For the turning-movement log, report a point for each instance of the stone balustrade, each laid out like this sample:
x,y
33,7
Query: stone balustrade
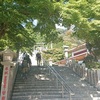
x,y
92,76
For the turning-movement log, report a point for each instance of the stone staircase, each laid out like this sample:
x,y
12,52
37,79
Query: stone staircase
x,y
42,85
39,85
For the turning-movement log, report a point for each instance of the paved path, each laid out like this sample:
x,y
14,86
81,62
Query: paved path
x,y
78,85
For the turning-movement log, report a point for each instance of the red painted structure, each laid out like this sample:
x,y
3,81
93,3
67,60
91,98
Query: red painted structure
x,y
78,53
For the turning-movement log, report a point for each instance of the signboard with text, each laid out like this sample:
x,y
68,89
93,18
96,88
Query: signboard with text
x,y
4,86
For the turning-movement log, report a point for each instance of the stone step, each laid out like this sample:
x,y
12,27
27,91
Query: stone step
x,y
50,97
34,80
38,97
53,93
49,92
37,86
36,83
35,89
34,73
38,78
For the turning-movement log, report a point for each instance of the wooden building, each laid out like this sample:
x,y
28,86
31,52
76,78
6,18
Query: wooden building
x,y
79,52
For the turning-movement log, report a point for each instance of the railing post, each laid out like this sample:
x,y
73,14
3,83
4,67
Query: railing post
x,y
62,91
56,82
49,72
69,95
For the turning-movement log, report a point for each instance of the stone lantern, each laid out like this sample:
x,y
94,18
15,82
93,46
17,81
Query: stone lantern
x,y
8,55
66,51
7,65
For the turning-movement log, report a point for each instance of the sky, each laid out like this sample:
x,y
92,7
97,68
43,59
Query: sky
x,y
35,22
60,26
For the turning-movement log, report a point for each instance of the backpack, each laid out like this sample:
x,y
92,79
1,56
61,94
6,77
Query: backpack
x,y
24,63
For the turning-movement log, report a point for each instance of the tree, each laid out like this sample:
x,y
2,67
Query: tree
x,y
17,16
16,21
85,15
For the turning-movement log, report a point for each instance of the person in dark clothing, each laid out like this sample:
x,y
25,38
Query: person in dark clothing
x,y
28,60
89,47
25,68
38,58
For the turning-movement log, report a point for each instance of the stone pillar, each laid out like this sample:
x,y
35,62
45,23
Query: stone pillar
x,y
92,78
83,70
88,75
5,80
98,79
95,77
7,63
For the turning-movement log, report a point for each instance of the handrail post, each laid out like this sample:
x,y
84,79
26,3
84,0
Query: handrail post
x,y
62,91
69,95
56,82
49,72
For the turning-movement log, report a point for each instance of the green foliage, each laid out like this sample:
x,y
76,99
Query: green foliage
x,y
18,31
56,54
93,64
85,15
16,22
